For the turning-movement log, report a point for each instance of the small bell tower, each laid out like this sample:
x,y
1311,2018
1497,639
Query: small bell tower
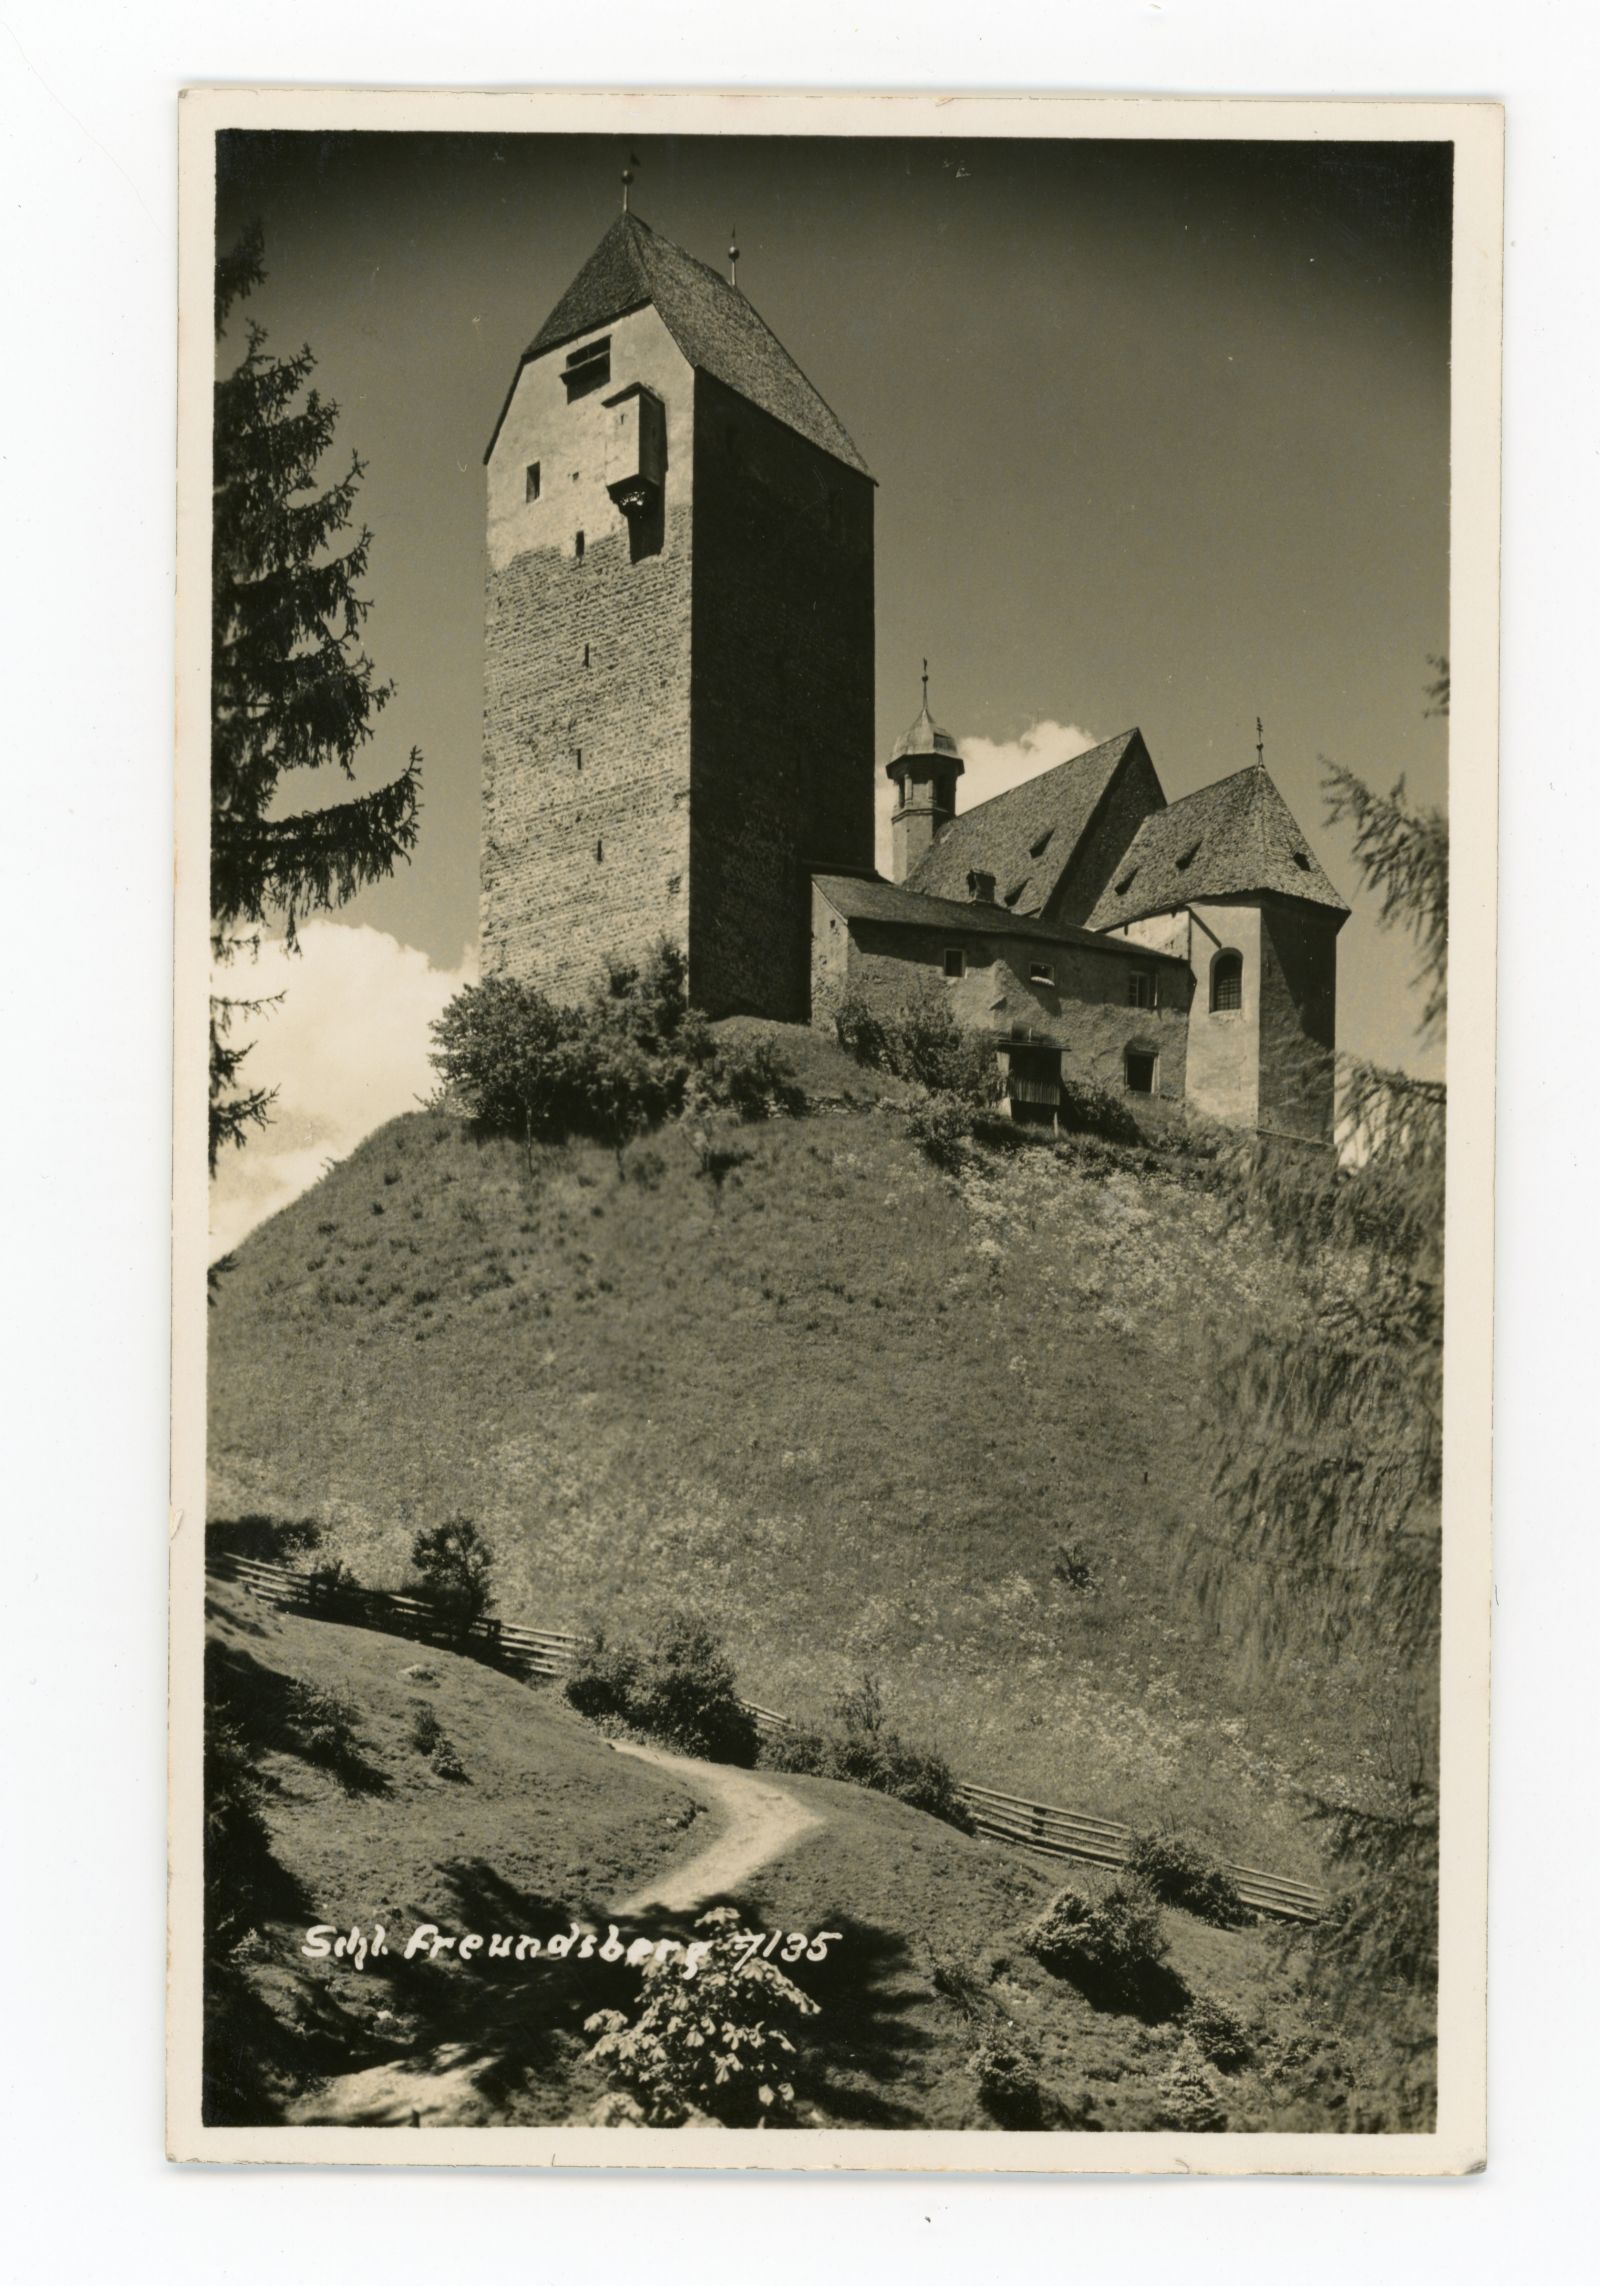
x,y
925,766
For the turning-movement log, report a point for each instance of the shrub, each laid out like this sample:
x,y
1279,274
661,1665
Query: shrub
x,y
1221,2037
454,1568
1190,2097
320,1724
1112,1946
1009,2087
1182,1872
678,1686
919,1040
858,1745
1089,1109
428,1736
942,1126
612,1067
332,1581
706,2047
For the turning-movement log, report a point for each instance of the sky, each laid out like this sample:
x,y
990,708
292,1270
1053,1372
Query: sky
x,y
1161,436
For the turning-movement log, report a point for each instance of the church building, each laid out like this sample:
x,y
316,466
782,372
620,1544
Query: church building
x,y
678,742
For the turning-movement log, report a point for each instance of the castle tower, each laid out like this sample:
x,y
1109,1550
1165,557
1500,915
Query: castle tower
x,y
925,766
678,702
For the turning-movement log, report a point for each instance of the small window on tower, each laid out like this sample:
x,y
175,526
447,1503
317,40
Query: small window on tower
x,y
599,852
955,961
587,368
531,481
577,755
1227,983
577,546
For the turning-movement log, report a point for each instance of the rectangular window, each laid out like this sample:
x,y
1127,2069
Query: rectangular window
x,y
1141,992
1041,972
531,481
1140,1067
577,546
955,961
587,369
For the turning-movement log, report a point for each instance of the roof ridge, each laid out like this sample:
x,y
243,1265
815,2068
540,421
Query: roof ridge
x,y
1069,762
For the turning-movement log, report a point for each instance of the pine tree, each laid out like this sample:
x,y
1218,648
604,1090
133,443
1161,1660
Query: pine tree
x,y
1329,1449
291,688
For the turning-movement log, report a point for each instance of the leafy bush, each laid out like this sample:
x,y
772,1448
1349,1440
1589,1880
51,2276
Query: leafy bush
x,y
857,1745
321,1724
613,1066
332,1581
1190,2096
1112,1946
428,1736
678,1686
1221,2037
919,1040
1182,1872
706,2047
1009,2086
942,1126
454,1568
1089,1109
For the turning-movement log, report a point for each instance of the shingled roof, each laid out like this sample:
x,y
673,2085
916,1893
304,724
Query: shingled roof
x,y
858,897
1234,838
1026,837
718,331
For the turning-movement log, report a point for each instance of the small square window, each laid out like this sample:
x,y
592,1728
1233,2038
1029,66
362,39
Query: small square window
x,y
955,961
531,481
1041,972
1141,991
588,368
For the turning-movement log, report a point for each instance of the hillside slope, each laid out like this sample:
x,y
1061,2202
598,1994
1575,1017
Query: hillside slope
x,y
863,1416
537,1824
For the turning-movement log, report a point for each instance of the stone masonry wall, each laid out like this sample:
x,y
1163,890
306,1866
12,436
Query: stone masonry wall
x,y
1086,1013
782,699
1299,963
585,850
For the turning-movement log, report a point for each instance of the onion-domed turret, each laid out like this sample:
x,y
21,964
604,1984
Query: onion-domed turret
x,y
924,766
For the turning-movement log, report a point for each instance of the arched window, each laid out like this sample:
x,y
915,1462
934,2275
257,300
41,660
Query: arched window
x,y
1227,982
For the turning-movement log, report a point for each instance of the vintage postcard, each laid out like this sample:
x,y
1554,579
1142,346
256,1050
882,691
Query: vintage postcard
x,y
831,1456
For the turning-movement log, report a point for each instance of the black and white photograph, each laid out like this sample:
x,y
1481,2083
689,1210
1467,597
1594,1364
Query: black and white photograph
x,y
820,755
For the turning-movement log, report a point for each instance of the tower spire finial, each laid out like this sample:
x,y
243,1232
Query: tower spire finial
x,y
628,173
733,254
924,686
1261,758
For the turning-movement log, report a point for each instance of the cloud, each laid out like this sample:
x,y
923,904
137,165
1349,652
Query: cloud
x,y
346,1048
993,766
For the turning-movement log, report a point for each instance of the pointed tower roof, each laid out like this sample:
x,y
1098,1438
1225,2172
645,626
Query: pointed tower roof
x,y
925,736
634,268
1235,838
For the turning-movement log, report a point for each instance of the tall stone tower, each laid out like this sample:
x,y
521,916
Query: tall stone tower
x,y
678,705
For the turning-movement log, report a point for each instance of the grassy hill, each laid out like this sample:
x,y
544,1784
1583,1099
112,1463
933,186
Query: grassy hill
x,y
534,1821
863,1415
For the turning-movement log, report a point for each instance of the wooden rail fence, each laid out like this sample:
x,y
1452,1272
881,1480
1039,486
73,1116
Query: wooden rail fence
x,y
548,1654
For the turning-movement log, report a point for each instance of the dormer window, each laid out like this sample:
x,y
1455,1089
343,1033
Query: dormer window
x,y
530,483
1126,883
587,369
1038,848
1301,860
1188,857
